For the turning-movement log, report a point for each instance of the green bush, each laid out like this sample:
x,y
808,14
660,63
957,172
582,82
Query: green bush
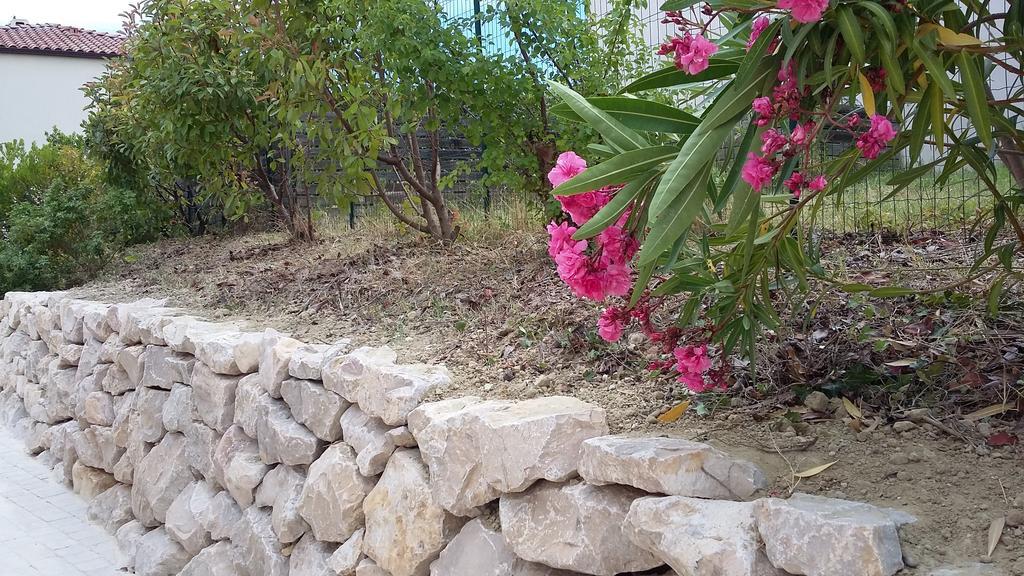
x,y
60,221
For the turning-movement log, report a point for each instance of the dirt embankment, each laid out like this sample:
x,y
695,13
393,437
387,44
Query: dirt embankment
x,y
496,314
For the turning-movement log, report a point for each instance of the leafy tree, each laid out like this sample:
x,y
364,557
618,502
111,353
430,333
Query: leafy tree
x,y
733,241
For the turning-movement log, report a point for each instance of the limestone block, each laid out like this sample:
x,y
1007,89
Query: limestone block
x,y
539,439
213,396
157,554
184,517
308,359
672,466
480,551
345,559
221,516
116,381
282,439
221,559
161,475
112,346
574,526
281,489
178,412
90,358
250,401
259,549
149,411
90,482
200,448
98,408
127,538
132,361
315,407
820,536
275,354
406,548
95,447
310,557
237,465
332,496
228,351
700,537
164,367
369,437
112,508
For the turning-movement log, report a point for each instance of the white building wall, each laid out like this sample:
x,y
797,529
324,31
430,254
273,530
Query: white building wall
x,y
39,92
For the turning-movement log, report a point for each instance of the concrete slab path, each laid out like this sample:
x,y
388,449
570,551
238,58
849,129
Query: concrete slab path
x,y
44,530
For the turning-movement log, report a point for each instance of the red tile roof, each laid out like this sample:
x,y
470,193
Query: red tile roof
x,y
57,39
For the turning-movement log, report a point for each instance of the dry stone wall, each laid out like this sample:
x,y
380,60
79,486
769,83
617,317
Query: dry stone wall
x,y
212,450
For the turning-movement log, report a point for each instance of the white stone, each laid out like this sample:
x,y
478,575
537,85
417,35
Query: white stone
x,y
159,555
406,548
159,478
575,527
538,439
315,407
259,549
98,408
480,551
112,346
369,437
820,536
185,514
250,401
282,439
370,378
200,448
221,559
90,358
131,360
308,359
116,381
178,412
281,489
332,496
213,396
237,465
221,516
149,411
127,538
275,354
309,558
672,466
95,447
401,437
164,367
112,508
228,351
700,537
345,559
368,567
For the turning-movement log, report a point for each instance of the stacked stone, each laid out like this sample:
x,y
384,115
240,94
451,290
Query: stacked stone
x,y
210,450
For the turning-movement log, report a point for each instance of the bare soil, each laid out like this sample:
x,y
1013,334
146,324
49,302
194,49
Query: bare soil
x,y
496,314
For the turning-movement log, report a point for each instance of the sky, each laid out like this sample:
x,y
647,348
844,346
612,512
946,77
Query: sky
x,y
99,15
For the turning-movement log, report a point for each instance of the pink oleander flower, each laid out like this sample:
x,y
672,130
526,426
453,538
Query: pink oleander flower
x,y
805,11
853,121
772,141
801,134
758,171
691,53
568,165
756,29
693,362
764,108
582,207
611,323
562,241
818,183
795,183
872,142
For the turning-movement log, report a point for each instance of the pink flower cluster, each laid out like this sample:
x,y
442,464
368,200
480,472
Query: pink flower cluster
x,y
805,11
758,171
756,29
692,53
693,363
797,183
784,101
872,142
605,271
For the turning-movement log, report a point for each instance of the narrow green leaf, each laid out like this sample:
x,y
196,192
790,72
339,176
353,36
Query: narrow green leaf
x,y
643,115
617,170
853,36
995,293
936,110
736,169
615,208
643,278
671,76
890,292
974,92
675,220
613,131
883,17
919,127
936,69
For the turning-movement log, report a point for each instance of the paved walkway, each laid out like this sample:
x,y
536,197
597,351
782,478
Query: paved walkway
x,y
43,526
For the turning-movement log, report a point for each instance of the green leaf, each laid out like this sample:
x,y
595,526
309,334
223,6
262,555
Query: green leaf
x,y
884,18
995,293
890,292
936,110
849,27
615,208
919,127
936,69
671,76
675,220
617,170
974,92
733,178
644,115
611,129
643,277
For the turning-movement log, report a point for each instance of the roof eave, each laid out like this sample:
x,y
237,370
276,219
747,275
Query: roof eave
x,y
64,53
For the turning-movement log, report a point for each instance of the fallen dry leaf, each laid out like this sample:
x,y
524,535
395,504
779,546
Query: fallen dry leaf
x,y
992,410
674,413
995,531
902,362
852,409
1002,439
814,471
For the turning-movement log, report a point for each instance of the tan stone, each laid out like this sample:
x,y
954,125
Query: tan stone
x,y
820,536
315,407
163,367
259,549
575,527
332,497
672,466
213,396
480,551
250,401
178,412
538,439
98,408
345,559
282,439
161,475
95,448
148,413
281,489
369,437
90,482
221,559
127,538
406,548
200,448
700,537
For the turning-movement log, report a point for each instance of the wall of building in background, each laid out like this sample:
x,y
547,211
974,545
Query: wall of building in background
x,y
41,92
